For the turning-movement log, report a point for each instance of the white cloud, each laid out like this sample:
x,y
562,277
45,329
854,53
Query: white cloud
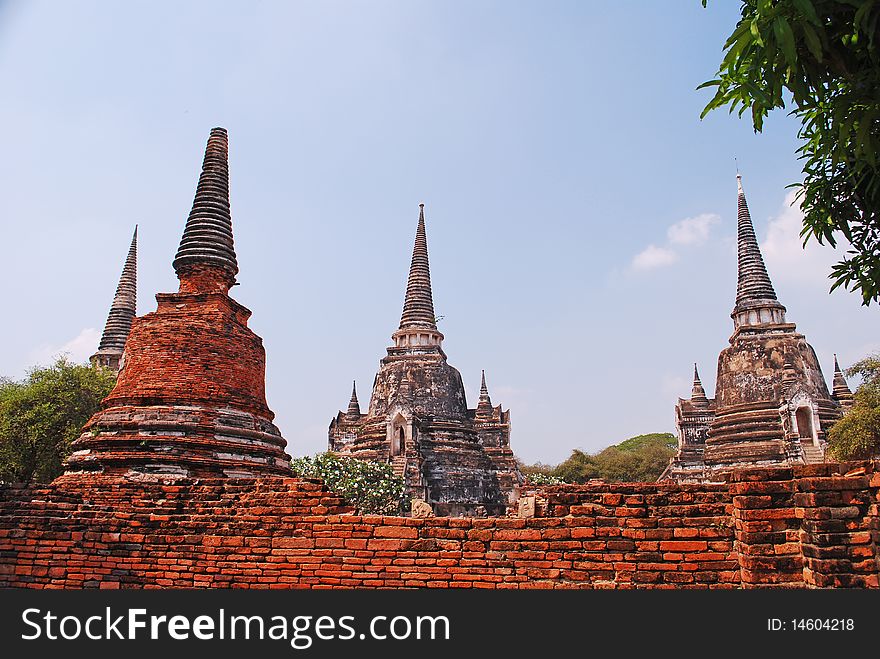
x,y
654,257
78,349
784,254
692,230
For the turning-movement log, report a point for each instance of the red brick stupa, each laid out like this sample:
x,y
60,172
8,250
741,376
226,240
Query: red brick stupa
x,y
190,399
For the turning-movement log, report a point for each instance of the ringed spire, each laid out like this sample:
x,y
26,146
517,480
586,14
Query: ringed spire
x,y
207,238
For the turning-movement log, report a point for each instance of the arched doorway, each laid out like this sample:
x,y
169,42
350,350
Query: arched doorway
x,y
804,418
398,435
397,442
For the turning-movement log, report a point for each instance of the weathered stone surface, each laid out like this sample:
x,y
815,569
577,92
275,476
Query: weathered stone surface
x,y
771,405
526,507
420,508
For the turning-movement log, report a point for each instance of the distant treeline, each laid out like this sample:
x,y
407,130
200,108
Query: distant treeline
x,y
638,459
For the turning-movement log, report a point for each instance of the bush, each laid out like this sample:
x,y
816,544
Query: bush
x,y
638,459
537,478
41,415
857,434
578,468
371,487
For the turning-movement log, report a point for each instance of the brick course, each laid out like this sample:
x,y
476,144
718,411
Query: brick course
x,y
802,527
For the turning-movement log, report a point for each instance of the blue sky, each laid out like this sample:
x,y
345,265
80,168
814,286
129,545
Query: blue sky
x,y
581,217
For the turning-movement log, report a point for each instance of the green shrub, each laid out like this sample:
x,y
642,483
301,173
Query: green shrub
x,y
856,436
41,415
638,459
537,478
371,487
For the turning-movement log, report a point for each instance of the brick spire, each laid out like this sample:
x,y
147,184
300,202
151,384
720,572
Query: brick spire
x,y
698,394
840,389
354,408
418,307
207,243
122,312
484,407
190,400
756,301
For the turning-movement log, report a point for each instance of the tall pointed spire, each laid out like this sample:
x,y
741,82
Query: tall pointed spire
x,y
207,240
122,312
840,389
354,408
756,301
698,394
418,307
484,407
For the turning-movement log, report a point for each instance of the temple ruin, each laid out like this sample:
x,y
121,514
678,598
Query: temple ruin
x,y
457,459
771,406
190,398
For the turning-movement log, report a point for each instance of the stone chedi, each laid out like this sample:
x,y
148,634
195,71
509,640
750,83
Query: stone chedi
x,y
190,398
457,459
692,418
771,405
840,390
122,312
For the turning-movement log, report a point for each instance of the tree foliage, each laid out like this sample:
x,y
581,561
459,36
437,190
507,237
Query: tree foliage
x,y
639,459
371,487
41,415
824,57
857,434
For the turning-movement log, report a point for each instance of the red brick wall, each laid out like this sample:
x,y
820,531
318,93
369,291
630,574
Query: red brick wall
x,y
766,528
816,525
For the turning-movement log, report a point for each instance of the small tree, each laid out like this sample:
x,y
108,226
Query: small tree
x,y
857,434
371,487
638,459
579,467
41,415
826,55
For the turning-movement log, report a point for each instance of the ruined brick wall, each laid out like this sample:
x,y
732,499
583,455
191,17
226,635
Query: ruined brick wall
x,y
777,528
815,525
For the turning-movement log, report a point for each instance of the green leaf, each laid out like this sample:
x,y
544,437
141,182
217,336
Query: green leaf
x,y
785,37
756,33
814,44
862,15
806,8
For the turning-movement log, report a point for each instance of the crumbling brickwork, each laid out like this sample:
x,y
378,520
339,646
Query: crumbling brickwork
x,y
814,525
803,527
190,398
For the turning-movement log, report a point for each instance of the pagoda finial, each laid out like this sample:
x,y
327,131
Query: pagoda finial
x,y
122,312
698,394
354,408
756,301
418,307
207,244
484,407
840,389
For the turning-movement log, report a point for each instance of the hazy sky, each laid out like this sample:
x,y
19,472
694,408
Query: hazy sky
x,y
581,218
